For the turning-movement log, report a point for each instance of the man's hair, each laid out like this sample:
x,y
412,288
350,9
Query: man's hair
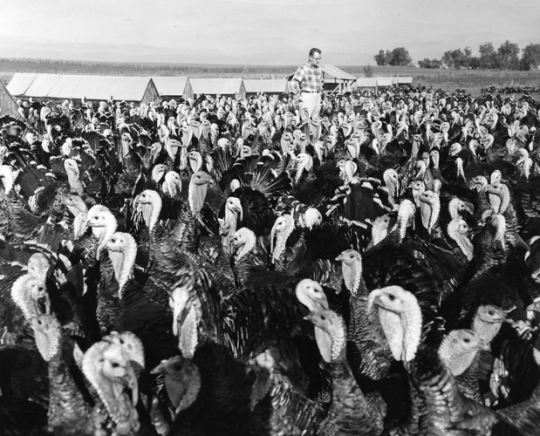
x,y
313,51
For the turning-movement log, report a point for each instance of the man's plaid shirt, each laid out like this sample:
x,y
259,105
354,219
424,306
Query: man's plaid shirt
x,y
309,77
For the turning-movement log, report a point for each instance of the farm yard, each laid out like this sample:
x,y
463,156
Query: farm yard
x,y
447,79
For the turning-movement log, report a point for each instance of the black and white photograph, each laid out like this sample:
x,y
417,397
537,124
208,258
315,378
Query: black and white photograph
x,y
269,218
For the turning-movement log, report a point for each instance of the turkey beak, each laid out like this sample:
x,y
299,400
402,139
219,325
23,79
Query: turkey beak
x,y
534,307
236,242
484,345
469,208
238,209
130,381
374,299
43,305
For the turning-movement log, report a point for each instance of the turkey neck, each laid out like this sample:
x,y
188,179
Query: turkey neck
x,y
231,221
66,403
352,275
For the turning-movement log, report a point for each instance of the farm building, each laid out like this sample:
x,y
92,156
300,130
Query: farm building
x,y
381,82
272,86
20,82
335,79
366,82
8,106
170,87
384,82
59,86
404,81
223,87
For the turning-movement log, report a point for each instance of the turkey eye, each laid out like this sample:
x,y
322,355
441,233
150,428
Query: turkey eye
x,y
115,365
490,312
466,340
391,297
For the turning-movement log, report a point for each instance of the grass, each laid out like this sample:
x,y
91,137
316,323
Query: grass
x,y
470,80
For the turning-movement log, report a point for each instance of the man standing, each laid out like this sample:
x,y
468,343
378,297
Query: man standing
x,y
307,84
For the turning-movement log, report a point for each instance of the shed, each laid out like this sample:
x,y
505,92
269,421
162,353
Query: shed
x,y
335,79
20,82
228,87
171,87
268,86
8,106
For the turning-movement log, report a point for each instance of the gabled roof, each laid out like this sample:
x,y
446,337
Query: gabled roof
x,y
20,82
337,73
127,88
41,85
66,86
331,72
217,86
170,85
267,86
8,106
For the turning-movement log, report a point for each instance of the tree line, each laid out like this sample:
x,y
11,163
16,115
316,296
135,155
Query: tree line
x,y
506,57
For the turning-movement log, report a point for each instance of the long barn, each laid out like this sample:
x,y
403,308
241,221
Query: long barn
x,y
65,86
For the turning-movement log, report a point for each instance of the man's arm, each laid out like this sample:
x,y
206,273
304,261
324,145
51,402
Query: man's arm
x,y
297,79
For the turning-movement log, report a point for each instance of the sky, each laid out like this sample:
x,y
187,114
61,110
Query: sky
x,y
258,32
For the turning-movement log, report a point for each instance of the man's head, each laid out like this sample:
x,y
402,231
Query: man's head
x,y
315,56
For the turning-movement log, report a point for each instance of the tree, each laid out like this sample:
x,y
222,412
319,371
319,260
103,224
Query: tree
x,y
368,71
381,58
430,63
508,56
488,57
455,58
400,56
530,59
475,63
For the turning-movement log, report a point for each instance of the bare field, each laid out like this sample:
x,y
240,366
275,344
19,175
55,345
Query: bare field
x,y
470,80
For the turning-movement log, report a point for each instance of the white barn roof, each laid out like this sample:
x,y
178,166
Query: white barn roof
x,y
270,86
66,86
20,82
333,71
127,88
41,85
218,86
170,85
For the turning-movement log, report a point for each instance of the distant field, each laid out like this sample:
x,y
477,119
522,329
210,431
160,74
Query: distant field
x,y
471,80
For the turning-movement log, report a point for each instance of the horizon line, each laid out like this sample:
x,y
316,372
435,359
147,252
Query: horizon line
x,y
173,64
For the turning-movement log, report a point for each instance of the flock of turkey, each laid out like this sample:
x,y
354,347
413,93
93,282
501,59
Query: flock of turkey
x,y
221,267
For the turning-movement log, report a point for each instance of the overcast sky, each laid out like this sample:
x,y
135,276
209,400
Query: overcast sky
x,y
272,32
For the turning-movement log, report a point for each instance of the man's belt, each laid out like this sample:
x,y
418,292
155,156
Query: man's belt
x,y
310,92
